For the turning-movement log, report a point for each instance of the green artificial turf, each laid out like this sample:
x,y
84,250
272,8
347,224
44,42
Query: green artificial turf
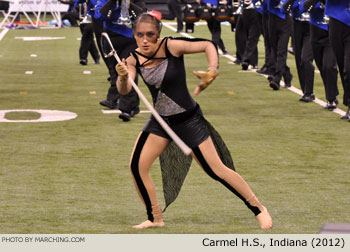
x,y
73,176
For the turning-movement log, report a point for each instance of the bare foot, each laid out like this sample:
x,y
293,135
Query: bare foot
x,y
264,218
149,224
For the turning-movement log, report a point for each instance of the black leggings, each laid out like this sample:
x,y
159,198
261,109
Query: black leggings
x,y
143,191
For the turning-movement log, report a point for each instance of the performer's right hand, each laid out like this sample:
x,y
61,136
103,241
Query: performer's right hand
x,y
122,69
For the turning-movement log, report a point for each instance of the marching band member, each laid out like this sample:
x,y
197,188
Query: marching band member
x,y
87,43
214,25
268,67
123,41
279,28
323,53
339,35
237,8
175,11
302,48
247,34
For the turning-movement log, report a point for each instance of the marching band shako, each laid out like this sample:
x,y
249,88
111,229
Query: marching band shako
x,y
205,12
223,12
190,13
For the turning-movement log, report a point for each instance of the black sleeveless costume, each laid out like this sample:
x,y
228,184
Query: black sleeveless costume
x,y
172,100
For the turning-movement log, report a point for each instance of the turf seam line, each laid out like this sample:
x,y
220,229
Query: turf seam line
x,y
292,88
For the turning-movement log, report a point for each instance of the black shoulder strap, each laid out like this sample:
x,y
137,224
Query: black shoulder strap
x,y
136,58
152,57
167,52
195,40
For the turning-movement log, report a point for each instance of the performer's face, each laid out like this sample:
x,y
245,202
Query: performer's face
x,y
146,35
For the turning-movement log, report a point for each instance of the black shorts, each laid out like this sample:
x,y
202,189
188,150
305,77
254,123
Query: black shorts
x,y
193,131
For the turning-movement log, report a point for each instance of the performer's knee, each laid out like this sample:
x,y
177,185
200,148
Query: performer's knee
x,y
204,164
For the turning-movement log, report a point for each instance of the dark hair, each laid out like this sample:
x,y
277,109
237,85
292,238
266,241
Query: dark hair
x,y
148,18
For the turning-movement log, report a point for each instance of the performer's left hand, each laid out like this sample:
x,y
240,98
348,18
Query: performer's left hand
x,y
205,79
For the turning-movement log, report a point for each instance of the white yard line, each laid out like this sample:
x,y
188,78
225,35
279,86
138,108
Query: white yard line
x,y
292,88
3,33
117,111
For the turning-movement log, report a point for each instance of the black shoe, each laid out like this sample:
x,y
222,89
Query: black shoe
x,y
97,62
262,70
135,111
245,66
127,116
180,30
287,84
83,62
237,62
109,104
331,105
274,85
307,98
224,52
288,80
347,115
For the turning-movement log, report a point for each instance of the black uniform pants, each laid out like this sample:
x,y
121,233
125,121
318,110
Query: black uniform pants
x,y
97,26
303,56
239,39
339,35
279,30
215,30
87,43
325,61
249,34
175,11
269,64
123,46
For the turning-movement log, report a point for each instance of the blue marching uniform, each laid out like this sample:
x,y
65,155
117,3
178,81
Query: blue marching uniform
x,y
268,67
214,27
339,35
123,42
324,55
303,51
97,25
279,26
87,43
247,35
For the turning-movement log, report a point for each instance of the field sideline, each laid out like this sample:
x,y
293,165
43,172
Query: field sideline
x,y
73,176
